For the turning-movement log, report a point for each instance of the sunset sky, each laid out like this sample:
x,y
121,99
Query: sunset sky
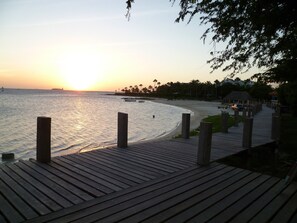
x,y
89,44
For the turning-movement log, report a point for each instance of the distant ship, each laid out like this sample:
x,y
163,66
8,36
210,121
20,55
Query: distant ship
x,y
2,89
57,89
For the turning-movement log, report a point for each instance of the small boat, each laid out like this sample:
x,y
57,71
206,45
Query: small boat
x,y
57,89
130,99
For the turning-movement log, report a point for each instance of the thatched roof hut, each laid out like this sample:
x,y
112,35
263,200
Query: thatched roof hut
x,y
236,96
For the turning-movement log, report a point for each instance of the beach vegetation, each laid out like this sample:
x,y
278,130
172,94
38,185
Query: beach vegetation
x,y
216,124
200,90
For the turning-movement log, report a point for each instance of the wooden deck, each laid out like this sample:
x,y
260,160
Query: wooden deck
x,y
152,181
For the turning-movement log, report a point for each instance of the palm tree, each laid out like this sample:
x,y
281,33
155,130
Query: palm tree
x,y
150,88
158,85
155,82
136,89
145,90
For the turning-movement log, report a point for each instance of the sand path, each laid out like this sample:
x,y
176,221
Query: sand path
x,y
200,110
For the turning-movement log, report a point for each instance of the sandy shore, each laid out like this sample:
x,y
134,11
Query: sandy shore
x,y
200,110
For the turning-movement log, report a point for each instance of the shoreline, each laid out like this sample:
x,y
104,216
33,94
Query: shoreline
x,y
199,110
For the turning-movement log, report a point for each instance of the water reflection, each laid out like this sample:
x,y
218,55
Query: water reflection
x,y
79,121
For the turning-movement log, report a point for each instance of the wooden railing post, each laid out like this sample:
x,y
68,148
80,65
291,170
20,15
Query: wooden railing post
x,y
224,122
249,111
275,127
122,130
236,117
247,133
204,146
43,145
254,110
243,113
186,125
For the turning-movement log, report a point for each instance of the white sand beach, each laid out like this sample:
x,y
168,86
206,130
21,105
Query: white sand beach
x,y
200,110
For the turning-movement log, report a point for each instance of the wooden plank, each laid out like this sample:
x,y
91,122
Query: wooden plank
x,y
127,166
170,147
178,145
152,157
40,186
79,193
2,218
69,198
183,155
204,205
165,153
287,211
40,208
103,184
178,206
228,200
71,178
123,168
104,202
247,200
46,200
249,212
116,172
275,205
148,211
9,212
105,176
22,207
141,161
119,210
294,218
129,161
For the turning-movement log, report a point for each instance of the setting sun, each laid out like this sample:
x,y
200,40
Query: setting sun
x,y
80,70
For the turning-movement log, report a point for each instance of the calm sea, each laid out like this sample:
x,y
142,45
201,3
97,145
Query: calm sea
x,y
80,120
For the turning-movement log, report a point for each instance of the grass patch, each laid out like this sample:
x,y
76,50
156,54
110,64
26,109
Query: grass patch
x,y
216,124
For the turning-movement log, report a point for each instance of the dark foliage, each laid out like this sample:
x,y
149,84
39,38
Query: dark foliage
x,y
260,33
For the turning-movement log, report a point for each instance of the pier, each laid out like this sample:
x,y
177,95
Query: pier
x,y
156,181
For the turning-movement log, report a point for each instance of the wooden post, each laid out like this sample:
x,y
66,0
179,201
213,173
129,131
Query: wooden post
x,y
43,145
249,111
186,125
122,130
236,113
204,146
275,127
224,122
244,113
247,133
254,110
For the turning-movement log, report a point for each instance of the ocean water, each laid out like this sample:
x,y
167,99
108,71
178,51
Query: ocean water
x,y
80,120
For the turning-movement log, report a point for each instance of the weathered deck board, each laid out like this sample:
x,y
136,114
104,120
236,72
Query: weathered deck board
x,y
91,207
47,191
149,181
46,200
202,195
25,195
119,170
7,210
